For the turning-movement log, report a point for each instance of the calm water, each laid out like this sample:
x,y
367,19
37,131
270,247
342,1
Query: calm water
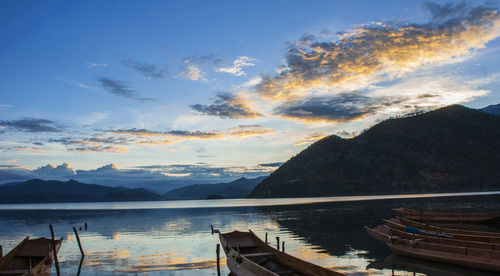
x,y
177,241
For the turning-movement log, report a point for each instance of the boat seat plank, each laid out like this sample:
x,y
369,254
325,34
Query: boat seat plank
x,y
34,250
257,254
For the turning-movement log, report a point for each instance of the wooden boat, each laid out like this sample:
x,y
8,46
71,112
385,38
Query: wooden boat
x,y
402,224
436,228
423,216
451,254
434,238
31,257
425,267
248,255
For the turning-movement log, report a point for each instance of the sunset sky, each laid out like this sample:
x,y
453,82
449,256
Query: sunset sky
x,y
215,90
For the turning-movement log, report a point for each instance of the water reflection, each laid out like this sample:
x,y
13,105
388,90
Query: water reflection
x,y
178,241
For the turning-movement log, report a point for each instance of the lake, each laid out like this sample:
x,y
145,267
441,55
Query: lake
x,y
174,237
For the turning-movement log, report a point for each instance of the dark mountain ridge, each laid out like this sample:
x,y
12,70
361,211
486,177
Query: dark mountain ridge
x,y
239,188
450,149
41,191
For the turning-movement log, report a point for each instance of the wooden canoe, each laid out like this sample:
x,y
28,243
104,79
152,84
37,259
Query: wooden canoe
x,y
31,257
457,255
439,229
248,255
423,216
400,225
437,239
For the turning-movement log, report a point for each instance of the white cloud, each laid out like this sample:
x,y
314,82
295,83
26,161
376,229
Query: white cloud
x,y
194,73
238,64
92,65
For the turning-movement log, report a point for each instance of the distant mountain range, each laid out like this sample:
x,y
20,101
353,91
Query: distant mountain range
x,y
239,188
41,191
450,149
492,109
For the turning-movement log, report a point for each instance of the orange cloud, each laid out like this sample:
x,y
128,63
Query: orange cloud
x,y
371,53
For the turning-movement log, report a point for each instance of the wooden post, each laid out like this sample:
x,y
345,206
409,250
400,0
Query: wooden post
x,y
212,227
86,226
283,246
266,238
80,266
278,243
217,251
54,251
78,240
1,251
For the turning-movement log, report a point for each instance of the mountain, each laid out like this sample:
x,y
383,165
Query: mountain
x,y
447,150
239,188
492,109
40,191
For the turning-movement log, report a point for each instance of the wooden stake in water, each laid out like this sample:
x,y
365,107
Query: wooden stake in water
x,y
78,240
217,251
54,251
266,238
278,243
283,246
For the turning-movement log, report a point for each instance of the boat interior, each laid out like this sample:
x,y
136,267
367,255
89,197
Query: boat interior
x,y
256,251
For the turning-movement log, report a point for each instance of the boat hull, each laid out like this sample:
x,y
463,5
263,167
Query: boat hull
x,y
424,216
248,255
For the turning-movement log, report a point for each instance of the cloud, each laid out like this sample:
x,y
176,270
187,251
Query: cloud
x,y
35,150
310,139
340,108
31,125
93,144
378,52
228,105
194,73
120,88
238,64
171,133
107,149
150,71
406,96
275,164
79,84
203,59
249,130
63,170
161,178
92,65
440,12
92,141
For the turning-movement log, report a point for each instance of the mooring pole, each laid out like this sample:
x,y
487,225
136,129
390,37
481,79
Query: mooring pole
x,y
217,251
283,246
278,243
266,238
54,251
78,240
212,227
80,266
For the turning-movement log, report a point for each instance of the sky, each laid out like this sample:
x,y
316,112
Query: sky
x,y
215,90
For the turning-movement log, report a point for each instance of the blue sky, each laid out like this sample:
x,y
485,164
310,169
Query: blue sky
x,y
215,90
